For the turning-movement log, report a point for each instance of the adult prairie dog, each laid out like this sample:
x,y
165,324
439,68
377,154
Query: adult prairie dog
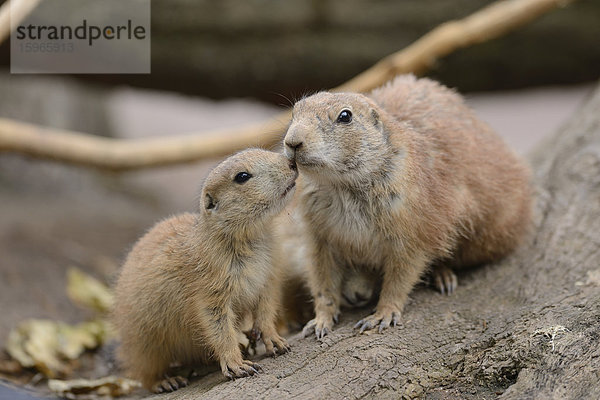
x,y
400,180
188,282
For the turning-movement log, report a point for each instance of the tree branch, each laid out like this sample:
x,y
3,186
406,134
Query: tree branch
x,y
123,154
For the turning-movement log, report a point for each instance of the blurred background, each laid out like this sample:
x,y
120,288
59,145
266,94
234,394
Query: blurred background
x,y
226,63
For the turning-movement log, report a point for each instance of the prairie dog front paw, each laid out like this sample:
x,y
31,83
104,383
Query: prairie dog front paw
x,y
321,325
275,344
169,384
383,318
239,369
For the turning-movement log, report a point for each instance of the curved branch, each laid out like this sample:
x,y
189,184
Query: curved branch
x,y
123,154
126,154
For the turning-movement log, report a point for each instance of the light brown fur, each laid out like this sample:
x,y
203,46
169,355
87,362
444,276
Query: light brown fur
x,y
292,256
414,181
188,283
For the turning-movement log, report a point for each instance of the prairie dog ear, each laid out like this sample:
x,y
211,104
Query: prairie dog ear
x,y
209,203
375,116
376,119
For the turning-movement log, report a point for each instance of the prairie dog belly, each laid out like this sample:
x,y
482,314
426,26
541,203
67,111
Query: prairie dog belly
x,y
348,226
252,279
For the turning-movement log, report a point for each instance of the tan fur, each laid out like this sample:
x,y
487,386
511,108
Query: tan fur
x,y
292,256
187,284
414,180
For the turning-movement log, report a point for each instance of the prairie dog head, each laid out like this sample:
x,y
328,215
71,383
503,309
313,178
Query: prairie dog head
x,y
336,136
248,187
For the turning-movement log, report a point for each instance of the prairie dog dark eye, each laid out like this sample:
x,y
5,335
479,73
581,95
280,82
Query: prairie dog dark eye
x,y
345,117
242,177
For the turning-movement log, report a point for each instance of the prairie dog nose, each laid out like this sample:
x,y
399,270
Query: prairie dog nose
x,y
293,143
294,140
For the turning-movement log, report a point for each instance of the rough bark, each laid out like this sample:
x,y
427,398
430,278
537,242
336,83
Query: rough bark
x,y
526,327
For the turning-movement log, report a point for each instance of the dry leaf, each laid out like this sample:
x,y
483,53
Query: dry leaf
x,y
49,346
110,386
88,292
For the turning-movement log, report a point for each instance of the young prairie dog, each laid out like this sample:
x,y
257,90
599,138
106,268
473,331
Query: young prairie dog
x,y
400,180
187,284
